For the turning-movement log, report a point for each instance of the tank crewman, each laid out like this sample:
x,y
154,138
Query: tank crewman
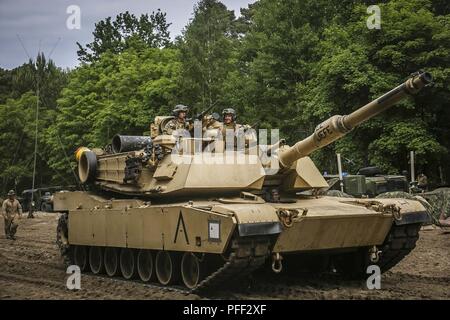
x,y
229,119
11,211
229,123
179,122
274,196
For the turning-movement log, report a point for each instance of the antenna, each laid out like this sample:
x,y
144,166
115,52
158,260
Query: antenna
x,y
23,46
30,214
38,80
54,46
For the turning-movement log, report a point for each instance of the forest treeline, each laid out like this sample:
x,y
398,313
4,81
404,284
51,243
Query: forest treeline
x,y
286,64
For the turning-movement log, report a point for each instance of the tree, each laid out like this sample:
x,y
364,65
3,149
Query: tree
x,y
18,122
300,62
118,94
276,53
358,65
124,32
206,53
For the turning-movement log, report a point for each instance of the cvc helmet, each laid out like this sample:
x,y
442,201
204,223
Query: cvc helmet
x,y
229,111
179,108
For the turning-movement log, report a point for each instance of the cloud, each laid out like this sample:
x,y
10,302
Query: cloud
x,y
40,24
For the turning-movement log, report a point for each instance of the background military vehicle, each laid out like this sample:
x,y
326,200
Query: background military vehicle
x,y
40,198
164,212
369,182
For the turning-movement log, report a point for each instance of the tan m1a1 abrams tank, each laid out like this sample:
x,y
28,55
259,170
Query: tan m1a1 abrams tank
x,y
202,225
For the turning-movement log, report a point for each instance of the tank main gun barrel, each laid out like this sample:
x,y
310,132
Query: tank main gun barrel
x,y
337,126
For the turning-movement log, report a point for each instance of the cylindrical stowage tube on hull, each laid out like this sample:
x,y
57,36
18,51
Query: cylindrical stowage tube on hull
x,y
337,126
129,143
87,165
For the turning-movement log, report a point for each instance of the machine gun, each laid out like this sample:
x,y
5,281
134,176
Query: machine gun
x,y
199,116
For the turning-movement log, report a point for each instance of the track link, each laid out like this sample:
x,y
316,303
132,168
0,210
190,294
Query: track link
x,y
236,267
400,241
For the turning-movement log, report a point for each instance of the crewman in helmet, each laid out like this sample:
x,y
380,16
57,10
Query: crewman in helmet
x,y
179,122
231,127
229,119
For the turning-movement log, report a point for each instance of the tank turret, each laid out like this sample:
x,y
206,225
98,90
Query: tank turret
x,y
146,166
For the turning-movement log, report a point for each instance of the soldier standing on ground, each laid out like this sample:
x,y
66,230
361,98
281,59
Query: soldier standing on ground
x,y
179,122
12,212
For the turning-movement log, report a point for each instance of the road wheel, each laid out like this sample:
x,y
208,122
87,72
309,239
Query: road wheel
x,y
145,265
167,267
111,262
192,270
80,257
128,263
96,260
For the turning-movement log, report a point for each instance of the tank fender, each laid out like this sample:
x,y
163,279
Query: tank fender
x,y
261,228
253,219
413,217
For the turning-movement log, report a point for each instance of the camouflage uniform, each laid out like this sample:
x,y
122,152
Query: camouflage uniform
x,y
11,210
229,126
176,124
439,205
437,202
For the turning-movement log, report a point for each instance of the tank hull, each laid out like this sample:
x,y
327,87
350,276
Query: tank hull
x,y
176,227
242,234
335,223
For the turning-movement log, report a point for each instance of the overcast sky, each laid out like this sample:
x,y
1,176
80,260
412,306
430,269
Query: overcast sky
x,y
39,24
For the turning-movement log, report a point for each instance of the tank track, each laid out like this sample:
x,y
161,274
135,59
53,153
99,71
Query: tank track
x,y
237,267
242,260
400,241
62,239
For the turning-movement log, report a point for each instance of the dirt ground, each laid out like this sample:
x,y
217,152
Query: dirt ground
x,y
31,268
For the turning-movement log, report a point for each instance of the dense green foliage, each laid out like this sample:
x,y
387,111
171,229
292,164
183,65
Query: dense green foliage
x,y
117,94
288,63
304,61
358,64
206,48
124,32
18,101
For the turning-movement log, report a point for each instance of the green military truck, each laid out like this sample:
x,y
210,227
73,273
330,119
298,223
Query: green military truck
x,y
368,182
